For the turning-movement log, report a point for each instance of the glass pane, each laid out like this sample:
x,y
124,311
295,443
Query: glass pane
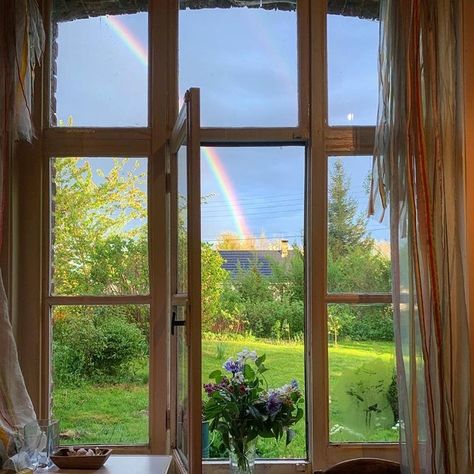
x,y
182,241
182,384
353,38
253,271
243,59
99,226
363,400
100,373
358,246
100,64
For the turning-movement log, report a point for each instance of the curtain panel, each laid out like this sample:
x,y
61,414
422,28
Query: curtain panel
x,y
21,46
418,176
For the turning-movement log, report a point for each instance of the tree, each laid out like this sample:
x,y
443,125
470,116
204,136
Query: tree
x,y
213,284
346,228
99,228
354,264
231,241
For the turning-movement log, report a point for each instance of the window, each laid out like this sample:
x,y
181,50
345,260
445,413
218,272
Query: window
x,y
99,248
278,183
100,66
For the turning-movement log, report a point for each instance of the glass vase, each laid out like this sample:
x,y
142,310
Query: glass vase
x,y
41,440
242,456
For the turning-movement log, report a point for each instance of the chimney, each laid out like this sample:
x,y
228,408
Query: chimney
x,y
284,248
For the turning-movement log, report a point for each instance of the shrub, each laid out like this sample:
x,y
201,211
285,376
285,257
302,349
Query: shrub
x,y
361,322
91,346
274,318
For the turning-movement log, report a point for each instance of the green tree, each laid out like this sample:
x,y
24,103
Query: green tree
x,y
213,284
355,264
346,228
100,228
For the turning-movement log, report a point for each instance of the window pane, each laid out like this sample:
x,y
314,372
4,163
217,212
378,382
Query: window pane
x,y
243,59
352,64
182,240
253,270
99,226
363,400
358,246
100,373
100,64
182,409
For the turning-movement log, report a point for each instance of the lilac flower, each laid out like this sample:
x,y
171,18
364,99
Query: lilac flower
x,y
294,385
232,366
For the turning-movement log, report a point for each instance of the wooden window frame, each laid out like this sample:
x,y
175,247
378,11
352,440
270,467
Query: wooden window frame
x,y
321,141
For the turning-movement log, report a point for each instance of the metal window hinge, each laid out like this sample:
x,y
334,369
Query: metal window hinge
x,y
168,419
168,182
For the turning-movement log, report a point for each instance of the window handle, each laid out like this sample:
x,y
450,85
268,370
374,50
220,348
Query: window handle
x,y
175,322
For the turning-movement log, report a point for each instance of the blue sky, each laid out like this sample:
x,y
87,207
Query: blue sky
x,y
244,61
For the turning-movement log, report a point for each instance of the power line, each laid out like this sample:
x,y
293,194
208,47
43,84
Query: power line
x,y
269,208
254,238
285,212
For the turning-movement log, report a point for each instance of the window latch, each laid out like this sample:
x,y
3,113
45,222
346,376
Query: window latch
x,y
176,322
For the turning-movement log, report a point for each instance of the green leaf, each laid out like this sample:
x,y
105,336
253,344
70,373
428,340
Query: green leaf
x,y
249,373
262,369
290,435
216,375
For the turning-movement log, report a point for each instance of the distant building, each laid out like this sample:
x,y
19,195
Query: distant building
x,y
247,259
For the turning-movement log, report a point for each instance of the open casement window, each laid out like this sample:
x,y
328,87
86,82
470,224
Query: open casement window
x,y
286,85
186,286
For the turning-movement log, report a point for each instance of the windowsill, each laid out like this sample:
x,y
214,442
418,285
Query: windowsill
x,y
125,464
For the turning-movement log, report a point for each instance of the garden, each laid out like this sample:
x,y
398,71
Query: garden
x,y
101,353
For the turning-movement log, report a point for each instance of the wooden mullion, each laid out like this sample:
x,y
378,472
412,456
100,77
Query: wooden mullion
x,y
246,136
303,32
359,298
160,84
193,318
316,246
97,142
98,300
342,141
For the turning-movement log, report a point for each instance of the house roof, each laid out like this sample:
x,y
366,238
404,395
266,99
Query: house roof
x,y
65,10
247,259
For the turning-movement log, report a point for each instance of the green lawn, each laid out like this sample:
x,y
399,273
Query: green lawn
x,y
118,413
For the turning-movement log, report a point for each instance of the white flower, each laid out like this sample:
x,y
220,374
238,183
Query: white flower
x,y
246,354
239,377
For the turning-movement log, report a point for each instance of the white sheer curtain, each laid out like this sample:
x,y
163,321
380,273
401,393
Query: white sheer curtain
x,y
418,169
21,45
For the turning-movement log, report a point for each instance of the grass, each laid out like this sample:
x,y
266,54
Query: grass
x,y
118,414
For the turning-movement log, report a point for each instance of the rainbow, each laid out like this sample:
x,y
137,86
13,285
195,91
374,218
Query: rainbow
x,y
215,163
129,39
227,189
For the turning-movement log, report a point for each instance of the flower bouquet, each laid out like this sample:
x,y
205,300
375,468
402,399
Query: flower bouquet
x,y
241,407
